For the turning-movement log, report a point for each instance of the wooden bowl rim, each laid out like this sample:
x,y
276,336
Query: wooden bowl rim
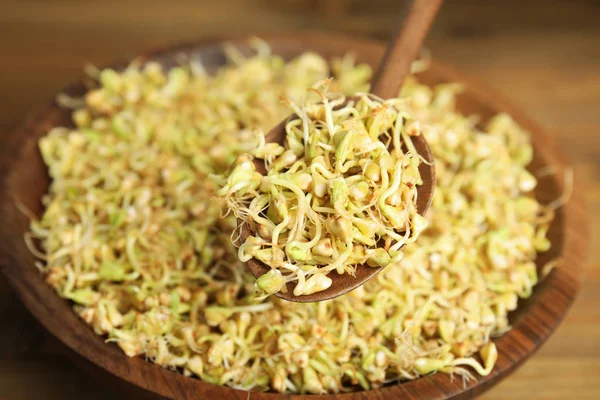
x,y
515,346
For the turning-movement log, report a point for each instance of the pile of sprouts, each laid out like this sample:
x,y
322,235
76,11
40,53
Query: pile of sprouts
x,y
132,232
340,192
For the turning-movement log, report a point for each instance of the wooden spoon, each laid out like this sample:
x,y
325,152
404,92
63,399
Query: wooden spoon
x,y
395,66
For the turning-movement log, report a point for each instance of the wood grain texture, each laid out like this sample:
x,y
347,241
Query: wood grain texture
x,y
547,58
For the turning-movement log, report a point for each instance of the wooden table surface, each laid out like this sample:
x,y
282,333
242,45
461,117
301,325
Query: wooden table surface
x,y
545,55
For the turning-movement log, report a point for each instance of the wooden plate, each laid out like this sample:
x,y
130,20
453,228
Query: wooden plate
x,y
24,178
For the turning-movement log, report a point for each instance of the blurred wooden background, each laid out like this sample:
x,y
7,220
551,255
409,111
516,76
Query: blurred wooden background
x,y
543,54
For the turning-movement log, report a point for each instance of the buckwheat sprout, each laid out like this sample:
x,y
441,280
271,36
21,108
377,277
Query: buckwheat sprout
x,y
566,193
66,101
91,70
136,236
423,63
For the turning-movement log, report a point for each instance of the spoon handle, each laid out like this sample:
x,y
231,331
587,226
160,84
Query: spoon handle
x,y
414,24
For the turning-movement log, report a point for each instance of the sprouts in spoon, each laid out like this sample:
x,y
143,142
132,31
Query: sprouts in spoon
x,y
340,192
